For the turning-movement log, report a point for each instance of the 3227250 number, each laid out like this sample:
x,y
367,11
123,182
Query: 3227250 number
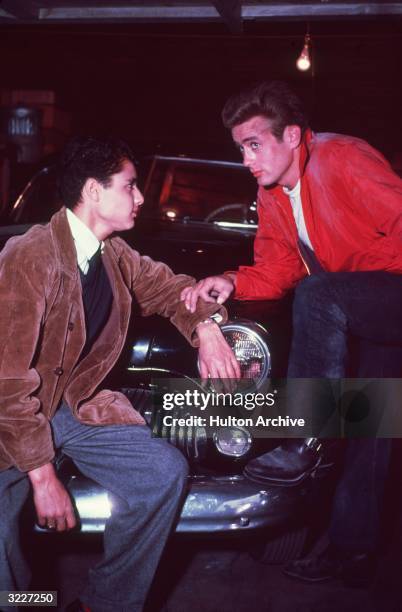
x,y
28,598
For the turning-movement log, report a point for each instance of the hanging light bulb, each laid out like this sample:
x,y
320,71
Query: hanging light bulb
x,y
304,61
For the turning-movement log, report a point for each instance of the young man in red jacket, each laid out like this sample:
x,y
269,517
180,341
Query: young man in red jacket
x,y
330,226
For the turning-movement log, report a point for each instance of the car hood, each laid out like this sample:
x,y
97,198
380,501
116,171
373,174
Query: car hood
x,y
194,248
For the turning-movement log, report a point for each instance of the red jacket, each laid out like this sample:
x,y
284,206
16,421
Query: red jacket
x,y
352,204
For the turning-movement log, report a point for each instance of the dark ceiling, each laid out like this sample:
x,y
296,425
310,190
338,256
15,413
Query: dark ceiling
x,y
159,73
234,13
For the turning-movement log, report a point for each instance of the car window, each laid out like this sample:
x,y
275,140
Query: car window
x,y
174,188
39,200
202,191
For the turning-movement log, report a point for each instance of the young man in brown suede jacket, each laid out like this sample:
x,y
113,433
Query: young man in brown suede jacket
x,y
66,291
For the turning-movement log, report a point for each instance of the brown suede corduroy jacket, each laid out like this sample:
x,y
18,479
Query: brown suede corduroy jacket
x,y
42,333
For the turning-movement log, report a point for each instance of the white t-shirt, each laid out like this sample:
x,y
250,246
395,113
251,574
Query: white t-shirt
x,y
296,203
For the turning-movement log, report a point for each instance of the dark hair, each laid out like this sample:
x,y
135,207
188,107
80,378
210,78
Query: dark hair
x,y
274,100
89,157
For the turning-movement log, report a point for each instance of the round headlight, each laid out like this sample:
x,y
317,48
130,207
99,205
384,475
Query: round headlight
x,y
248,342
232,441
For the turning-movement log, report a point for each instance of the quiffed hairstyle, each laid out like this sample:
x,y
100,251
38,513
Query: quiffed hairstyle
x,y
274,100
88,157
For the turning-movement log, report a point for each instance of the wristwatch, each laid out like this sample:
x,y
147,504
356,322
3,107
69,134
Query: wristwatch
x,y
206,322
215,318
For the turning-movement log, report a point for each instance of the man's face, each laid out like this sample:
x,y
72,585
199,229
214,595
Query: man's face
x,y
268,159
119,202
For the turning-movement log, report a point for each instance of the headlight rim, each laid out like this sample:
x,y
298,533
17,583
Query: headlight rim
x,y
261,336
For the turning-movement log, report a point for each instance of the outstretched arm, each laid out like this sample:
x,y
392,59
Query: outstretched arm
x,y
211,289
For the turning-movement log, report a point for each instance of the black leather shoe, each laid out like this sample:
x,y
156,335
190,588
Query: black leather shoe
x,y
77,606
356,569
287,464
316,568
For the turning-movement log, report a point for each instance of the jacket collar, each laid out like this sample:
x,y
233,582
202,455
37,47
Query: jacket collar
x,y
64,243
305,148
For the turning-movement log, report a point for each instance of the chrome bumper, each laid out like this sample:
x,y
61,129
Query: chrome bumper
x,y
214,504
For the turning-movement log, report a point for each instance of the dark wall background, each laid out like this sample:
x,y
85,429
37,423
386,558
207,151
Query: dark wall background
x,y
162,87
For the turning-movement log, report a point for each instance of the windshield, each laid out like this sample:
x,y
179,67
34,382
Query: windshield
x,y
199,190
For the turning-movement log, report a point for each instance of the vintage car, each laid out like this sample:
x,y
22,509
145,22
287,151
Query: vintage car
x,y
199,217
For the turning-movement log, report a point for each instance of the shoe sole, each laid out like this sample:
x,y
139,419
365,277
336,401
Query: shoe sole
x,y
289,482
311,580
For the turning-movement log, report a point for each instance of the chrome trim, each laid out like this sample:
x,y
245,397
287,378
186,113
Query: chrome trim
x,y
313,444
19,202
173,373
214,504
236,225
197,160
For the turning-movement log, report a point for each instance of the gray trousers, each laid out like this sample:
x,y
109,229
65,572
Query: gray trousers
x,y
146,477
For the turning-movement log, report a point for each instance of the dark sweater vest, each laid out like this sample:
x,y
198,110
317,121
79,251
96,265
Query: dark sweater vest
x,y
97,299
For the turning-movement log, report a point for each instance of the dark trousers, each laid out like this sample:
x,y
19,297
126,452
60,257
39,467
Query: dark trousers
x,y
146,477
327,308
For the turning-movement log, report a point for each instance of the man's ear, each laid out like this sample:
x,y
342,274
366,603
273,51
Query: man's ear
x,y
292,135
91,190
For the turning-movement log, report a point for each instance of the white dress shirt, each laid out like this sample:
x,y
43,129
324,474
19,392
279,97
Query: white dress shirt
x,y
86,243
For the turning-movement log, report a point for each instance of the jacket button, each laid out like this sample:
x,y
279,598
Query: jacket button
x,y
58,371
70,326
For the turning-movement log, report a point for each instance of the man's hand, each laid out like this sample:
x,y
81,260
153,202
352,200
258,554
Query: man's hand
x,y
211,289
216,358
52,502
